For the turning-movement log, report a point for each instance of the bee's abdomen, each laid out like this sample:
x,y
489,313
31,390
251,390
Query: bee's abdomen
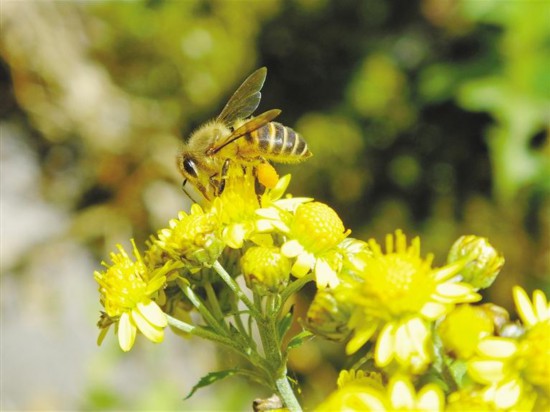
x,y
280,143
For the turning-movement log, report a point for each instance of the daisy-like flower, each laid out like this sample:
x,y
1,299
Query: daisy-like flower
x,y
517,371
399,295
400,394
127,289
314,231
192,238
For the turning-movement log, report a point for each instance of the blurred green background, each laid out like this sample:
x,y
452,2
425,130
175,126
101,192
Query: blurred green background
x,y
428,115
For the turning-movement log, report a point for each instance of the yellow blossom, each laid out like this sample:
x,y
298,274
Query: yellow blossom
x,y
192,238
314,234
463,328
399,395
127,290
517,371
398,295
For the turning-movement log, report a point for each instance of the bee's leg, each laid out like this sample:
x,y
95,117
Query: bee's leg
x,y
223,176
186,192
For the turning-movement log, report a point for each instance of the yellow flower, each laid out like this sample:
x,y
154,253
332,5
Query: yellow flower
x,y
468,400
127,289
517,371
463,328
399,395
399,295
314,234
192,238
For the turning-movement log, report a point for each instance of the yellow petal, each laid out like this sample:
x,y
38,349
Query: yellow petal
x,y
153,333
430,398
126,332
303,264
325,275
434,310
402,394
486,371
385,346
507,395
542,309
153,313
497,348
360,337
292,248
524,307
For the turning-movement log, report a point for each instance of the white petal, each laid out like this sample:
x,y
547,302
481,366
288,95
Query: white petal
x,y
292,248
153,333
126,332
152,312
385,346
524,307
402,394
497,348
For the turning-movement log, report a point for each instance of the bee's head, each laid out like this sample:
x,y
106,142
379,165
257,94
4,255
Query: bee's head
x,y
190,169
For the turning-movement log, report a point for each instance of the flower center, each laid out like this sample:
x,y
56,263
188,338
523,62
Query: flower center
x,y
317,227
400,282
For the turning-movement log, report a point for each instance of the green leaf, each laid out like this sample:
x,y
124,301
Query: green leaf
x,y
285,323
211,378
298,339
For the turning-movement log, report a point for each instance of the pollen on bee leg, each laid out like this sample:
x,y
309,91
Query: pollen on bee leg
x,y
267,175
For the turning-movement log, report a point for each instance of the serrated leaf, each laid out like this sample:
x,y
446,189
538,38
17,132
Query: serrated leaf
x,y
299,339
210,378
285,323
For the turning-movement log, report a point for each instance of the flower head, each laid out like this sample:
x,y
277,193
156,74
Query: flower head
x,y
127,291
463,328
517,371
400,394
314,234
399,295
192,238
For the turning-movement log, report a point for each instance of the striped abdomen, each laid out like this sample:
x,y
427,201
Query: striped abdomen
x,y
279,143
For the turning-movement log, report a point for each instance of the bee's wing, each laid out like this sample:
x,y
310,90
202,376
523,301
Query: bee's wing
x,y
245,100
249,126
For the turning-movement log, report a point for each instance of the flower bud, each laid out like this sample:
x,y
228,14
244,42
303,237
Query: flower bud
x,y
327,316
265,268
483,260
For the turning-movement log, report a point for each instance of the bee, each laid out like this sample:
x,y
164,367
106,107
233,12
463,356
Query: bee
x,y
235,136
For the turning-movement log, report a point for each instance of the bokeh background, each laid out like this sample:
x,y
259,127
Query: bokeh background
x,y
426,115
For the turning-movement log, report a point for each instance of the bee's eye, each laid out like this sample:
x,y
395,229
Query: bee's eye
x,y
189,167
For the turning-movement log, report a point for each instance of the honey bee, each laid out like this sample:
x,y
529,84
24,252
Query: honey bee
x,y
234,136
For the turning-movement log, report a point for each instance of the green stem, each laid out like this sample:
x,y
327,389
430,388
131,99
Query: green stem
x,y
287,394
213,300
201,307
296,286
220,270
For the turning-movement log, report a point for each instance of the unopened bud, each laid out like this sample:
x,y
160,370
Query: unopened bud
x,y
483,260
265,268
328,316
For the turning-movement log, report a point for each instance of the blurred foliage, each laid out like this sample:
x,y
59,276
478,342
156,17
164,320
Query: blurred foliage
x,y
428,115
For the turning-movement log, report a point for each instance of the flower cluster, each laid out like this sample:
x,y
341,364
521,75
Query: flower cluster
x,y
421,340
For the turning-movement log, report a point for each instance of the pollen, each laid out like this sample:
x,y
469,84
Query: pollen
x,y
267,175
